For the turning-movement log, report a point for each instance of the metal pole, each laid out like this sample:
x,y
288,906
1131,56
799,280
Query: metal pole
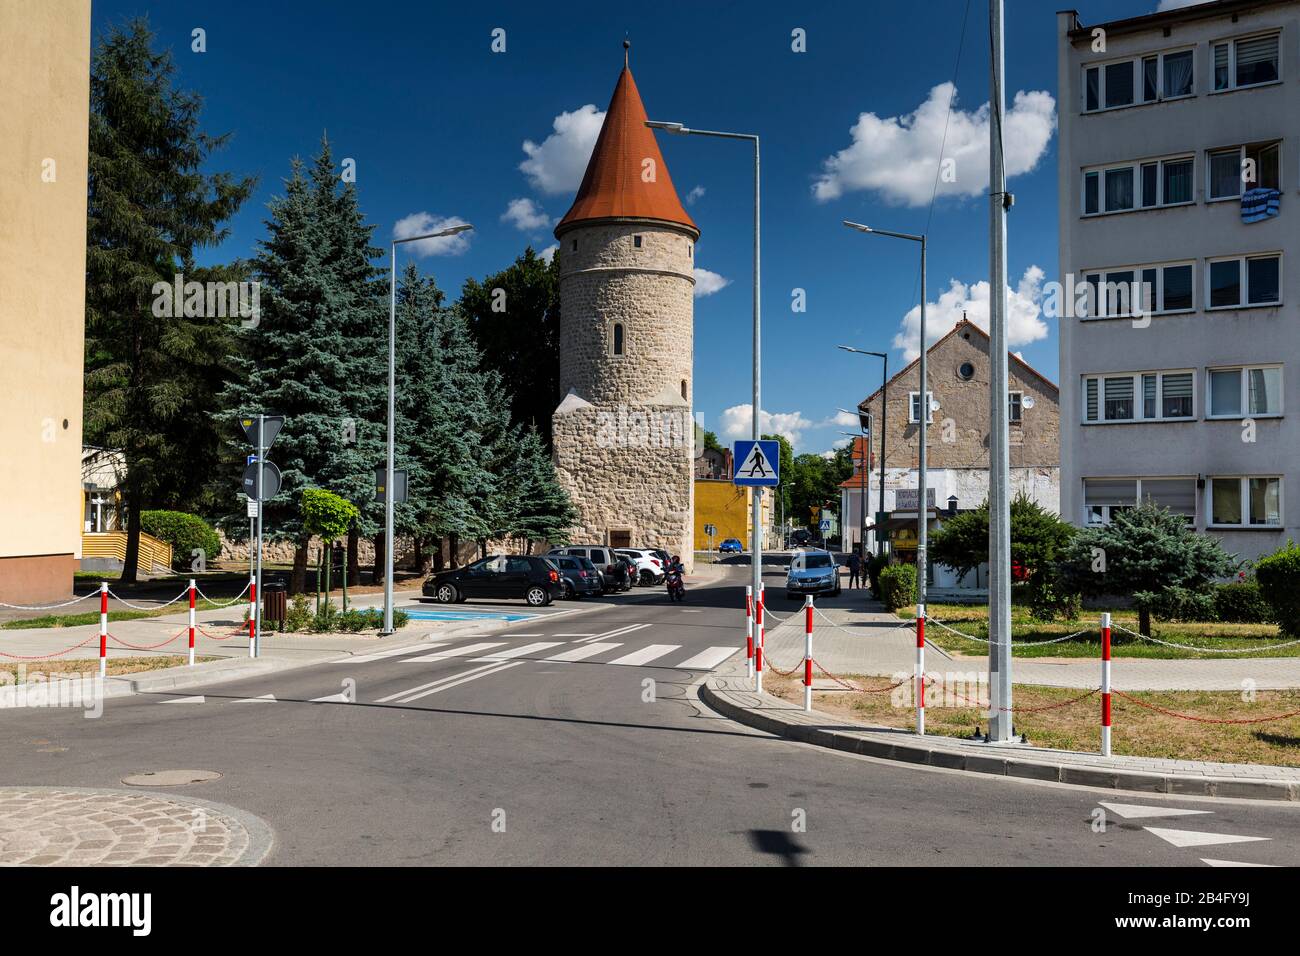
x,y
1000,718
756,538
257,604
884,405
388,475
862,501
923,512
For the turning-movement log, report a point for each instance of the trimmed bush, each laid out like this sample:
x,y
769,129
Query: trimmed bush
x,y
186,533
1177,604
1278,577
1241,603
898,586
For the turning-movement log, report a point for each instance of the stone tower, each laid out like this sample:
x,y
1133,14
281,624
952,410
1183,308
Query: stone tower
x,y
623,429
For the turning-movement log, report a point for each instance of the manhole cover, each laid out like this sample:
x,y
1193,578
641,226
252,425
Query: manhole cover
x,y
170,778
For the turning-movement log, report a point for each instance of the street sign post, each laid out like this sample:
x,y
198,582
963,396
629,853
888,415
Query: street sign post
x,y
270,481
710,530
261,482
271,425
759,464
399,484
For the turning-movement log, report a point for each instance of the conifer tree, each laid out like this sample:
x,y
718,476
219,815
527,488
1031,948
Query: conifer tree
x,y
540,508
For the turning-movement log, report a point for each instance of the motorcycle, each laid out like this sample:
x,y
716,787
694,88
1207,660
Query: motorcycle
x,y
676,586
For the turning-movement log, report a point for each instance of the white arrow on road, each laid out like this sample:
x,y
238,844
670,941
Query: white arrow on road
x,y
265,698
1232,863
183,700
1132,811
1197,838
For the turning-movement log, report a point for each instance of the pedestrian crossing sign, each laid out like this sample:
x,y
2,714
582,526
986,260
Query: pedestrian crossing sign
x,y
758,463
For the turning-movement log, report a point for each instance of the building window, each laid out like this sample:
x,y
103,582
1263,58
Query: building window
x,y
1249,392
1162,76
1139,397
1245,502
914,407
1246,61
1103,498
636,242
1244,281
574,247
1129,186
690,250
1162,288
616,339
684,395
1232,171
1015,407
966,372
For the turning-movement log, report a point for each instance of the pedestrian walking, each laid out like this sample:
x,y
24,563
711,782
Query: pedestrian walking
x,y
855,570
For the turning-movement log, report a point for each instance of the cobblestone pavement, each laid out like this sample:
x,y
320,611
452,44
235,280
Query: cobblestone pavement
x,y
70,826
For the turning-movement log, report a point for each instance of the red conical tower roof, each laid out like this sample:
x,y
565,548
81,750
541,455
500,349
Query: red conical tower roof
x,y
612,187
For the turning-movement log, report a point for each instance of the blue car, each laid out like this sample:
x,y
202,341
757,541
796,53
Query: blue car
x,y
731,546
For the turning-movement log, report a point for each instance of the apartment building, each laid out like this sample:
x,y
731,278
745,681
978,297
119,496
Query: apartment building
x,y
1179,162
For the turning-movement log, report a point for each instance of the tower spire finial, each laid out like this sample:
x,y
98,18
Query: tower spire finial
x,y
627,46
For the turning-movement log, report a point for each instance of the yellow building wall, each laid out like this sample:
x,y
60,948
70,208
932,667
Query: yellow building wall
x,y
44,122
720,503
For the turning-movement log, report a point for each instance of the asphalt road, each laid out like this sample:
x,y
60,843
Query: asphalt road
x,y
466,759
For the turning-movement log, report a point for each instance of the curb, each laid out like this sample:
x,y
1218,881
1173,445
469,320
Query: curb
x,y
772,721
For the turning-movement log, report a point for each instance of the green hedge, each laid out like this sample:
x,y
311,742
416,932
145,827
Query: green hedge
x,y
898,586
1278,576
1241,602
184,532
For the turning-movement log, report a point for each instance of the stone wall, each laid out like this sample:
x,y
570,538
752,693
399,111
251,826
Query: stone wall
x,y
281,552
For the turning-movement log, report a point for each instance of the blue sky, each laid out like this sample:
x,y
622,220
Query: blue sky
x,y
437,124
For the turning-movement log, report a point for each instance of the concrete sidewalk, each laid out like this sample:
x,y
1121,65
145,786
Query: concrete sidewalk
x,y
729,692
876,642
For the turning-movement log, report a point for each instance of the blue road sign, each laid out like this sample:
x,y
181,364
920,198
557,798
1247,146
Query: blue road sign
x,y
826,524
758,463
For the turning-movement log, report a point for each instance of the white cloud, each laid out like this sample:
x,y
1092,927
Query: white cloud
x,y
1024,313
419,223
547,254
896,156
525,215
557,163
738,422
707,283
848,419
695,193
1177,4
837,443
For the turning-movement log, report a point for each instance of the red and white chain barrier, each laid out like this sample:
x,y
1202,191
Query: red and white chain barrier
x,y
807,652
758,644
920,669
192,590
1105,684
103,628
749,630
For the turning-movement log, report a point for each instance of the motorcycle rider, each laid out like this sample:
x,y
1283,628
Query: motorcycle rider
x,y
673,577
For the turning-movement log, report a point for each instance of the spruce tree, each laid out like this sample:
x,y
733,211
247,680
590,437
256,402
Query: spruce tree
x,y
541,509
151,372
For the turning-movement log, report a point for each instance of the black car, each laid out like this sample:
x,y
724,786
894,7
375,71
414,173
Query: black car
x,y
578,575
526,576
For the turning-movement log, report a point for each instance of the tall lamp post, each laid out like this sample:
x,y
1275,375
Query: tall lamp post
x,y
884,411
922,516
392,405
756,498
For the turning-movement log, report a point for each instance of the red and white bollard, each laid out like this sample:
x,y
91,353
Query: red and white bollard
x,y
103,628
1105,684
191,622
252,617
749,630
807,652
920,669
758,640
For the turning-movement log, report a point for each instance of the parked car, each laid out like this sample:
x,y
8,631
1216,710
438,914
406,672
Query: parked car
x,y
579,576
731,546
526,576
603,557
649,566
812,572
800,537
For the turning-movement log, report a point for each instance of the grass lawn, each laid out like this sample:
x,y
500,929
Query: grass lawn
x,y
1244,638
1136,731
92,617
116,666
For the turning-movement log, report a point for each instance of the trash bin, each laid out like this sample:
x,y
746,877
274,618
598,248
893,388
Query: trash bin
x,y
274,601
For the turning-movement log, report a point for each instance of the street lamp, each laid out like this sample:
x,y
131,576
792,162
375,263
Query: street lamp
x,y
756,534
884,410
922,510
389,543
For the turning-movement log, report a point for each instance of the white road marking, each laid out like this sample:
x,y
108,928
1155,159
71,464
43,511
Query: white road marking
x,y
390,652
1198,838
520,651
583,652
1231,863
493,669
1132,811
332,699
617,632
458,652
708,659
645,655
183,700
698,610
265,698
583,634
434,683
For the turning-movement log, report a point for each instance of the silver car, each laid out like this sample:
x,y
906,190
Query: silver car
x,y
812,572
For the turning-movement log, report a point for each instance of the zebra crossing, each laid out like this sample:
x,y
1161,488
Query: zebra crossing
x,y
585,649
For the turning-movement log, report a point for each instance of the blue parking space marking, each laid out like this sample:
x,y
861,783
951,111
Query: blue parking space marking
x,y
418,614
